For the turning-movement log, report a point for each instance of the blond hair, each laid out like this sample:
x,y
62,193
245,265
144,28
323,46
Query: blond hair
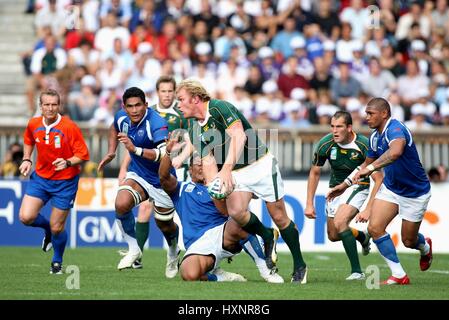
x,y
194,88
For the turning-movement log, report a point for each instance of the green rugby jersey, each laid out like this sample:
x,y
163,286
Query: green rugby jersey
x,y
343,159
211,135
173,116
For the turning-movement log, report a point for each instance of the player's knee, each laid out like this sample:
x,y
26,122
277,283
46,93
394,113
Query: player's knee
x,y
57,228
189,274
332,236
122,207
409,243
166,226
340,224
26,220
375,231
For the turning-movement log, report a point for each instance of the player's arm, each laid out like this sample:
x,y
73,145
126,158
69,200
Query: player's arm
x,y
168,181
237,143
221,206
394,151
187,150
25,166
364,216
312,184
154,154
210,169
124,167
349,181
112,147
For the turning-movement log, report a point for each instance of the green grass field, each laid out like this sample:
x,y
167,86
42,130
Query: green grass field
x,y
24,275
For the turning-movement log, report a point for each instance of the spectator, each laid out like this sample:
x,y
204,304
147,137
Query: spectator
x,y
345,86
413,16
121,9
434,175
51,16
327,19
148,17
290,79
104,38
358,17
83,106
269,106
13,158
254,83
281,41
409,84
418,120
378,80
84,55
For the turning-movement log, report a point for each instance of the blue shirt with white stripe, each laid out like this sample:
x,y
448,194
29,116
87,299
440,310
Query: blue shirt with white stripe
x,y
196,210
148,133
405,176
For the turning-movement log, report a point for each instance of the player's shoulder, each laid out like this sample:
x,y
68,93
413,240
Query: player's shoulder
x,y
220,106
361,139
328,139
325,143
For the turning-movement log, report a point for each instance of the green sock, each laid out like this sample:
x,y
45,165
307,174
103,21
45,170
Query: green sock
x,y
291,238
359,235
142,230
351,250
254,226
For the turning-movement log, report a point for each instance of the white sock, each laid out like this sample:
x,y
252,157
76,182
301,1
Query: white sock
x,y
396,268
173,249
132,242
424,248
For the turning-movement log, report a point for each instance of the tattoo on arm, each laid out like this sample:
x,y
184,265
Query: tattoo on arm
x,y
383,160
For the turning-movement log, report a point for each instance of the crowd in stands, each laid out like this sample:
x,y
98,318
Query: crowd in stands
x,y
289,62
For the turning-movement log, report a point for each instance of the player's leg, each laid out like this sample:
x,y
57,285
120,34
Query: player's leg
x,y
36,196
128,196
237,204
382,213
345,213
29,215
58,237
142,224
195,267
412,210
290,234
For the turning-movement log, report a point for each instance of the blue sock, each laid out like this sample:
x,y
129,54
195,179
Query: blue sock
x,y
211,277
42,222
252,247
128,223
59,241
421,241
386,248
170,237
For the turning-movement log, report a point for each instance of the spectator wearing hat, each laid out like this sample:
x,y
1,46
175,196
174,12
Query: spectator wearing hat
x,y
290,78
344,45
268,107
345,86
359,67
418,120
82,107
295,110
418,52
242,102
325,112
152,66
305,67
355,107
269,67
204,56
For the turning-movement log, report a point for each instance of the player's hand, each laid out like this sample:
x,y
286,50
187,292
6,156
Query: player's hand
x,y
173,143
60,164
360,175
226,178
336,191
176,162
25,168
309,212
363,216
123,138
108,158
121,177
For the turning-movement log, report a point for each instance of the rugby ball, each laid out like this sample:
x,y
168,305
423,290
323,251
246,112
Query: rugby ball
x,y
217,190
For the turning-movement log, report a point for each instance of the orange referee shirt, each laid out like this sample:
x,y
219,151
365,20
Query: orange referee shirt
x,y
61,139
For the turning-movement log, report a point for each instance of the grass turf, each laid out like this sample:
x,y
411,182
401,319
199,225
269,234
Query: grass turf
x,y
25,275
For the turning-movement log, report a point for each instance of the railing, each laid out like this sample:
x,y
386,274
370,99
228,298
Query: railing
x,y
293,148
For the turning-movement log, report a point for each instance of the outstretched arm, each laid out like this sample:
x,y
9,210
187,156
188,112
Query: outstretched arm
x,y
112,147
312,184
168,181
364,216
